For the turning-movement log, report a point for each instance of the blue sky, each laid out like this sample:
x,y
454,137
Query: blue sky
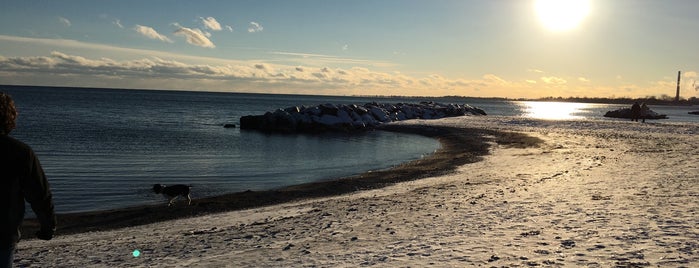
x,y
484,48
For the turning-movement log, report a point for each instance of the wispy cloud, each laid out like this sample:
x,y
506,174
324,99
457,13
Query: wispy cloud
x,y
105,50
194,36
229,28
117,22
211,23
151,33
553,80
64,21
320,59
255,27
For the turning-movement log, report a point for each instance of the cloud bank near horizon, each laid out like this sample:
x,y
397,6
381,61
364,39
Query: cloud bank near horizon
x,y
284,72
263,77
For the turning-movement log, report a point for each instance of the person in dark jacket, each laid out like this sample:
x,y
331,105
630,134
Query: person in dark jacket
x,y
21,178
635,111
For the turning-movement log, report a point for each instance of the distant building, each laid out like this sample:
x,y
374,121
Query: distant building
x,y
677,96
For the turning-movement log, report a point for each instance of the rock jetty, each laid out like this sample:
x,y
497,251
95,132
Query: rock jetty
x,y
331,117
626,113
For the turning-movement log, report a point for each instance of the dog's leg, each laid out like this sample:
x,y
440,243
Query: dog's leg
x,y
172,201
189,200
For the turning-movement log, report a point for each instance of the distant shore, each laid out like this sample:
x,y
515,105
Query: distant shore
x,y
459,146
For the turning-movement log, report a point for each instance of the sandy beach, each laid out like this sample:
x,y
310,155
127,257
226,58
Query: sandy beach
x,y
590,193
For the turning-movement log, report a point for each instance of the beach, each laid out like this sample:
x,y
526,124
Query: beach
x,y
522,192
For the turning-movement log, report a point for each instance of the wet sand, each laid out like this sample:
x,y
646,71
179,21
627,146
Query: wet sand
x,y
545,193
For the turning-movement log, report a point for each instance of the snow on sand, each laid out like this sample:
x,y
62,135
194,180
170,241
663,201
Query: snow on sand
x,y
595,193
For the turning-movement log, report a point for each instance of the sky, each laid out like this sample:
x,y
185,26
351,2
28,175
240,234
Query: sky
x,y
476,48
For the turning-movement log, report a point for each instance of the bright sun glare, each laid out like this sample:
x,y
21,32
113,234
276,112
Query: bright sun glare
x,y
562,15
554,110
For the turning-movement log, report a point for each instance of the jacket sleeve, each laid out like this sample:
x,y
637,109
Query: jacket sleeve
x,y
37,193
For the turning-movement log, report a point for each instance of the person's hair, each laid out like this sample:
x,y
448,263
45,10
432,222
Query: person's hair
x,y
8,114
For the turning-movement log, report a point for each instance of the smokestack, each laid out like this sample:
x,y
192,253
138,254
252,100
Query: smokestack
x,y
677,96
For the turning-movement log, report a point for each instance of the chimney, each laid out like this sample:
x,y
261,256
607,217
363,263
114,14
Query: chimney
x,y
677,96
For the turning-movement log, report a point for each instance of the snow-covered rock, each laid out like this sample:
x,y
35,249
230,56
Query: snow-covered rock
x,y
350,117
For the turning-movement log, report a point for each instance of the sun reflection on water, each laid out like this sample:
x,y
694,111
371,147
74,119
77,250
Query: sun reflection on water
x,y
553,110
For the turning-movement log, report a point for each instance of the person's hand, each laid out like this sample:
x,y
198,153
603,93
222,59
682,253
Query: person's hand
x,y
45,234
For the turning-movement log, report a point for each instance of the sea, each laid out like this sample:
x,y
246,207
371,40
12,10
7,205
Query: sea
x,y
105,148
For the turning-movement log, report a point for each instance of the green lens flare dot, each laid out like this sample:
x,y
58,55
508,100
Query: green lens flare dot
x,y
136,253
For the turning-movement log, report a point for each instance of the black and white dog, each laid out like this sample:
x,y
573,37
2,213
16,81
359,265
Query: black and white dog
x,y
173,192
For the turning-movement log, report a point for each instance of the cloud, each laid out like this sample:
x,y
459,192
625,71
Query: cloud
x,y
494,79
194,36
175,74
114,21
552,80
162,73
211,23
255,27
229,28
263,66
583,79
535,71
64,21
320,59
151,33
345,47
117,22
75,63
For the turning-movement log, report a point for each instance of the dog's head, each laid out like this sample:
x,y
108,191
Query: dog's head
x,y
157,188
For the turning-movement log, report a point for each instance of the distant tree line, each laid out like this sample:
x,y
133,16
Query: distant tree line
x,y
650,100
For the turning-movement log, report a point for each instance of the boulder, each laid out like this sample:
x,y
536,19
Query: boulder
x,y
626,113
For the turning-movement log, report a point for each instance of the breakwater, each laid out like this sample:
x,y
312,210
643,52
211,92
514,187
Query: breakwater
x,y
331,117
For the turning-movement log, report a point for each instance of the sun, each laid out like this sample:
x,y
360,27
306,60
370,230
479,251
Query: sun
x,y
562,15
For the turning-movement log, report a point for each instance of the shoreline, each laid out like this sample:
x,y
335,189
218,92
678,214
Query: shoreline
x,y
459,146
590,193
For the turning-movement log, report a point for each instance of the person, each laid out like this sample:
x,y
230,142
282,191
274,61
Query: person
x,y
21,178
635,111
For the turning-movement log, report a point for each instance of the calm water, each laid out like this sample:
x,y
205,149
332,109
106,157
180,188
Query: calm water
x,y
104,148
